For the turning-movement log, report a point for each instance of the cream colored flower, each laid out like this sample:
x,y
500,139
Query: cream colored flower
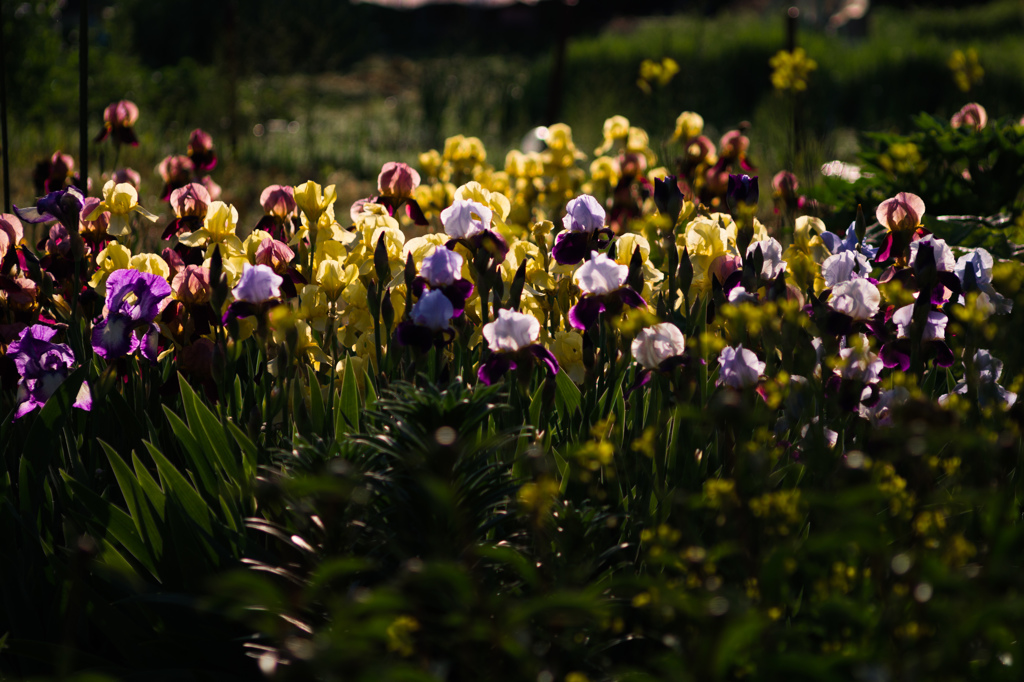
x,y
120,200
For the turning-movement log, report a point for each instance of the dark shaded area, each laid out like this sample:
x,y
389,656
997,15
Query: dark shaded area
x,y
325,35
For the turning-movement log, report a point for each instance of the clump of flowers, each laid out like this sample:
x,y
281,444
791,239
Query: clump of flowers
x,y
790,70
966,68
656,73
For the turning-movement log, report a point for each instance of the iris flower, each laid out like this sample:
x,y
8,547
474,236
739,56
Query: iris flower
x,y
190,204
901,216
469,222
442,271
739,367
134,299
584,231
429,322
118,119
43,366
660,348
200,150
64,205
602,281
257,290
120,200
512,339
974,269
395,186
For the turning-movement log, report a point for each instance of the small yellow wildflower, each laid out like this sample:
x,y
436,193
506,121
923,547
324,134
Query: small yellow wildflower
x,y
791,69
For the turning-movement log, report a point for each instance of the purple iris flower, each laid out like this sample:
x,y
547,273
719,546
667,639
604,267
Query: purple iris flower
x,y
602,281
257,289
442,271
934,268
742,190
855,381
512,338
838,245
134,299
469,222
932,341
429,323
584,231
668,198
43,366
64,205
974,269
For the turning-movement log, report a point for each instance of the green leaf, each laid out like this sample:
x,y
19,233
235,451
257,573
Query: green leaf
x,y
511,558
194,451
178,488
135,498
230,515
338,568
563,471
619,408
371,393
536,402
738,637
316,401
108,520
153,491
567,395
249,450
209,431
347,418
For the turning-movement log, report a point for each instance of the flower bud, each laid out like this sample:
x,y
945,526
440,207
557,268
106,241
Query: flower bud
x,y
397,180
278,201
191,285
972,117
190,200
902,212
275,255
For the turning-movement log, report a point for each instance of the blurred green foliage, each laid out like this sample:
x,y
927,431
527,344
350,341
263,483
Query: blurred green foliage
x,y
165,56
972,178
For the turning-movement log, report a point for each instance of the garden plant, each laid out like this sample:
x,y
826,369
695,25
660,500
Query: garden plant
x,y
606,414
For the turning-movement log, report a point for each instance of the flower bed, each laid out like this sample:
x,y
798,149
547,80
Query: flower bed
x,y
556,421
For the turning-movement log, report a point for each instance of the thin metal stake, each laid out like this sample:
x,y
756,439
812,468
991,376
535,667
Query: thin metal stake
x,y
83,96
3,114
792,17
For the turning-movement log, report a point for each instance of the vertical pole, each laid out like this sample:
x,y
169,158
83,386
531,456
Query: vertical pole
x,y
792,15
231,40
792,19
555,85
3,114
83,96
